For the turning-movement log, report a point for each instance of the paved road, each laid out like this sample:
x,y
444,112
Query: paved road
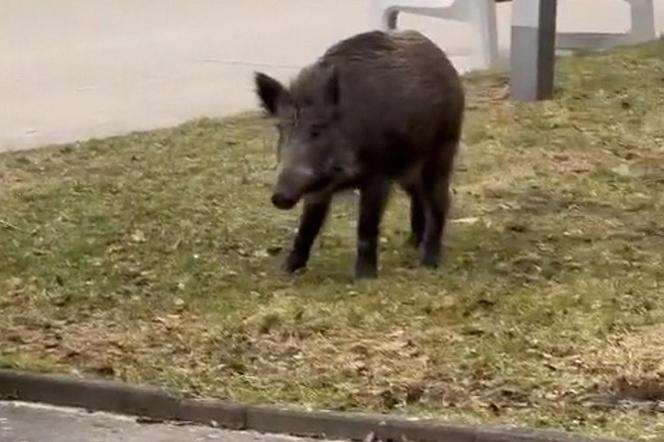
x,y
73,69
34,423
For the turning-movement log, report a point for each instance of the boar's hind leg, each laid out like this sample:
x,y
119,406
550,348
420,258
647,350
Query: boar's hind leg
x,y
417,219
312,219
436,194
373,199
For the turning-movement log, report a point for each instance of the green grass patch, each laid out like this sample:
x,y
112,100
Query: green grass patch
x,y
153,257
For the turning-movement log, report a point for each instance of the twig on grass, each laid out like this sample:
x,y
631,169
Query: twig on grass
x,y
10,226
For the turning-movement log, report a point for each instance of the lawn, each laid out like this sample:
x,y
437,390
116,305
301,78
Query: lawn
x,y
154,257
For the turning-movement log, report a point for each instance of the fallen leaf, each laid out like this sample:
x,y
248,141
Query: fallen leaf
x,y
468,221
179,302
622,170
138,236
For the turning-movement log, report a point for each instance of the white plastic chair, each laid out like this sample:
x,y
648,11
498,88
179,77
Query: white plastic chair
x,y
642,29
481,15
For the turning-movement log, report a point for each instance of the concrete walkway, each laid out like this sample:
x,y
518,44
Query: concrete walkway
x,y
34,423
74,69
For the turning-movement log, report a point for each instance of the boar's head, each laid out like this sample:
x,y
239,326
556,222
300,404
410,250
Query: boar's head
x,y
314,154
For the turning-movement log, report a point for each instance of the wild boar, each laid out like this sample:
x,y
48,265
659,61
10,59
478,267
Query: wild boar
x,y
374,109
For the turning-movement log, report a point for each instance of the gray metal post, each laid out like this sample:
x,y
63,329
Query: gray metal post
x,y
533,49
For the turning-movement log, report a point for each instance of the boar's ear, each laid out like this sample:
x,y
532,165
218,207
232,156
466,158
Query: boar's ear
x,y
331,85
270,92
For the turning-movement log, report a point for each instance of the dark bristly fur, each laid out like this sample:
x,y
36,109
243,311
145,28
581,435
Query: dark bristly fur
x,y
374,109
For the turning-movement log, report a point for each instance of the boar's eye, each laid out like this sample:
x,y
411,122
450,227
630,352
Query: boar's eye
x,y
315,130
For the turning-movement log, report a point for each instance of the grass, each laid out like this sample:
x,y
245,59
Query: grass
x,y
153,257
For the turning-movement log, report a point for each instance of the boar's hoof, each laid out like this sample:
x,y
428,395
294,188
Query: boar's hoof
x,y
294,262
365,272
414,240
430,260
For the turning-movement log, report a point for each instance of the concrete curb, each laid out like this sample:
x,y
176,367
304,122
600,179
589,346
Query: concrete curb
x,y
153,403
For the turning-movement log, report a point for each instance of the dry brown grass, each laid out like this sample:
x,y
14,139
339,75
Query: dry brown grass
x,y
151,258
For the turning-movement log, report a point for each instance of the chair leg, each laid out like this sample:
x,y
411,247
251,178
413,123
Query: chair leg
x,y
643,21
482,17
383,15
384,12
389,18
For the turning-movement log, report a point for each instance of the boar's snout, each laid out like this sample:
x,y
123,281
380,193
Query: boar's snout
x,y
283,201
292,184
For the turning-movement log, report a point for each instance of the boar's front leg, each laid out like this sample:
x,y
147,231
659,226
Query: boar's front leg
x,y
313,216
373,199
